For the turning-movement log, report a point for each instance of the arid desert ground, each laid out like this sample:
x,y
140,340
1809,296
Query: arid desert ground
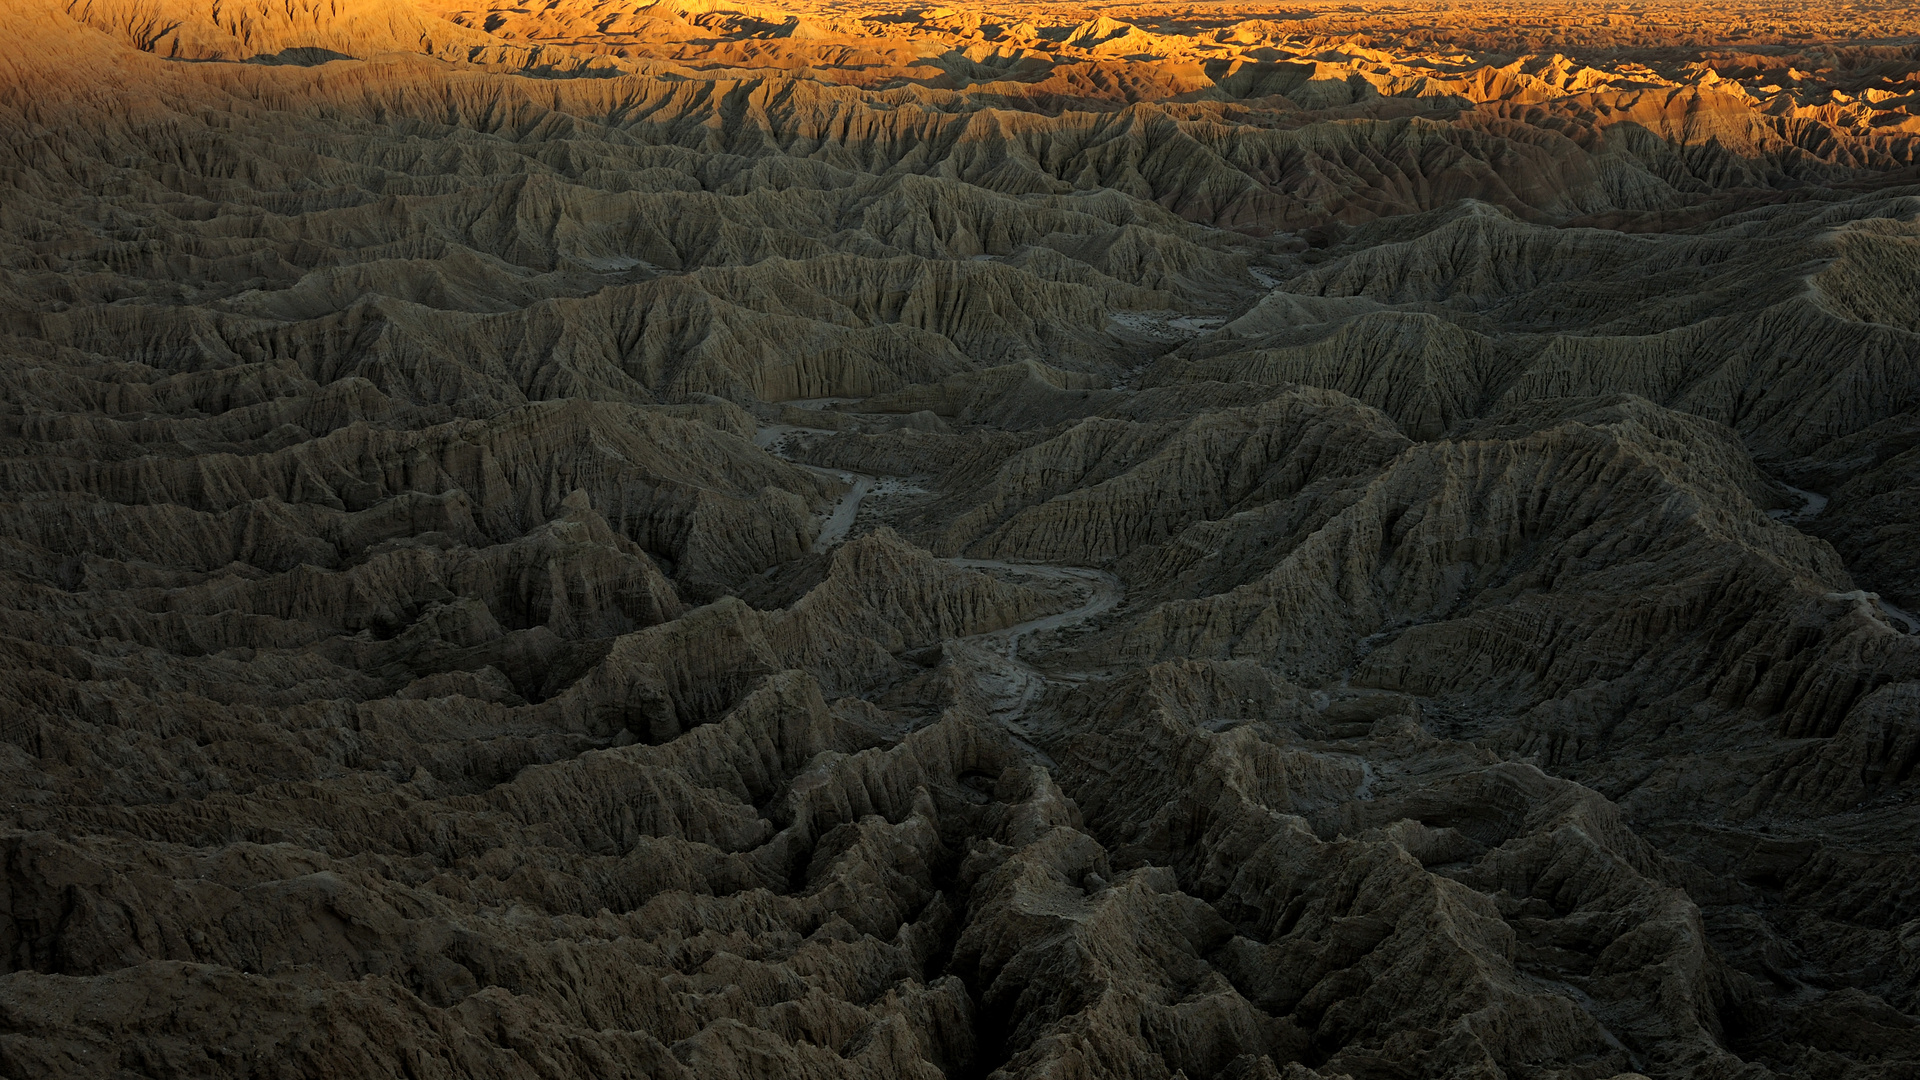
x,y
1019,541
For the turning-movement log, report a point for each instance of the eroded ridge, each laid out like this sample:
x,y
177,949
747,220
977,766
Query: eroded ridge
x,y
708,540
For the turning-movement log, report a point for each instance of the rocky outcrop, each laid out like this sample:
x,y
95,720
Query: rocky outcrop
x,y
1106,487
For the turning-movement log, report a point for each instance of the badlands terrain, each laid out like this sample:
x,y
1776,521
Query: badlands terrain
x,y
704,540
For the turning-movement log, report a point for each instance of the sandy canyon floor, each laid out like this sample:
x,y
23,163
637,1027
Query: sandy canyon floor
x,y
584,539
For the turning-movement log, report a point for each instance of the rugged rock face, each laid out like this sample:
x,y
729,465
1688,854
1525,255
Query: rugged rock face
x,y
699,540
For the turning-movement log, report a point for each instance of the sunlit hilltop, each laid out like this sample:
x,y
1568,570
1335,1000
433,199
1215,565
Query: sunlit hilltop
x,y
718,541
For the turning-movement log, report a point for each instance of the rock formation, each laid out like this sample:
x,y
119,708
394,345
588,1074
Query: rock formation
x,y
701,539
